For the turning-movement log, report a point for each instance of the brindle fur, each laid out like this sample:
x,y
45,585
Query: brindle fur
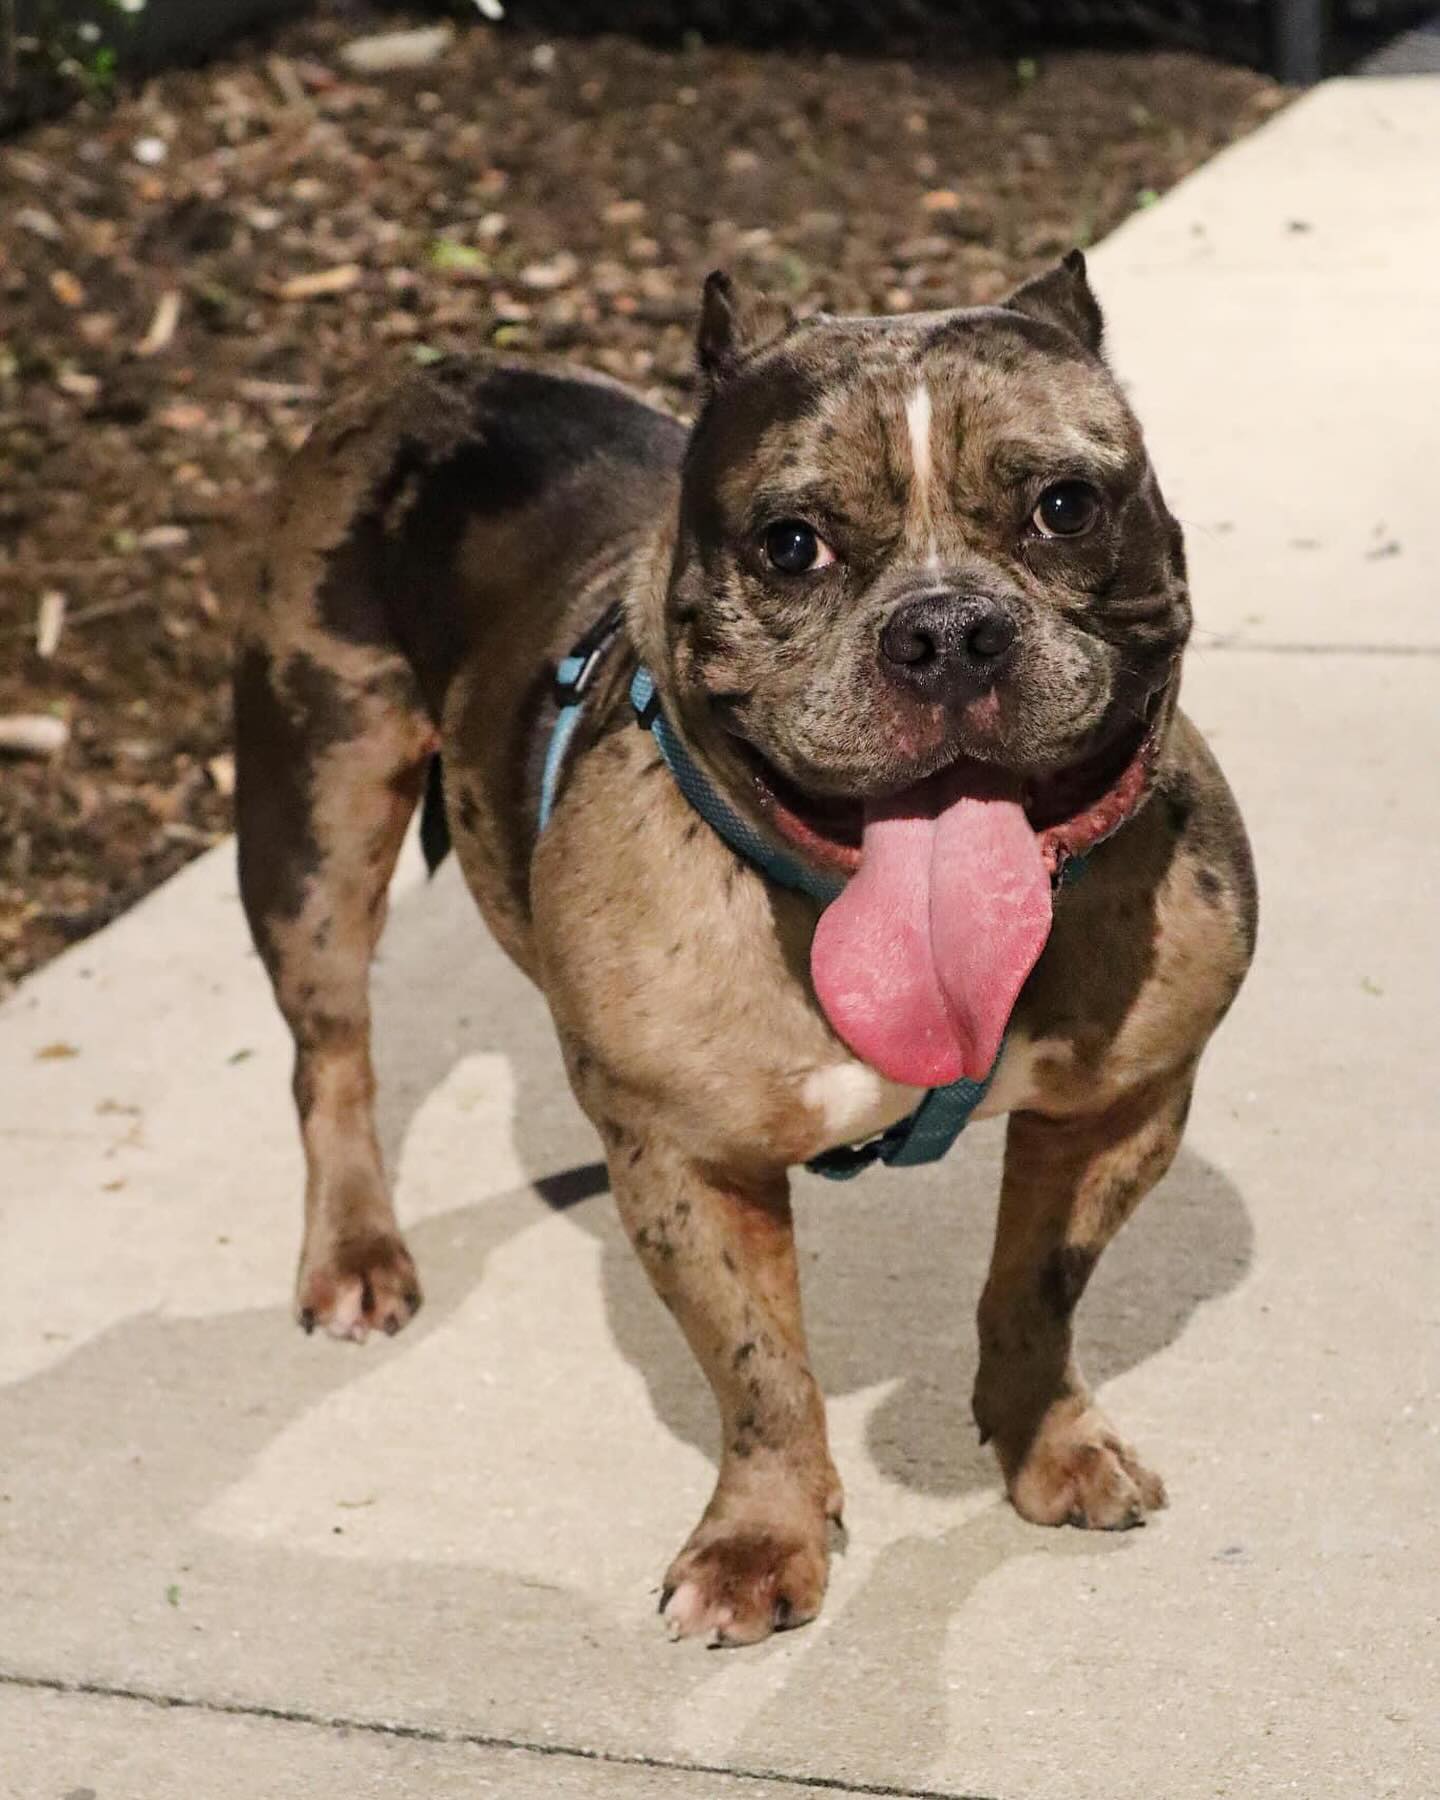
x,y
441,540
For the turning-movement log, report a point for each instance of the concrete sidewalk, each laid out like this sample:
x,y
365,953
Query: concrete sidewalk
x,y
429,1568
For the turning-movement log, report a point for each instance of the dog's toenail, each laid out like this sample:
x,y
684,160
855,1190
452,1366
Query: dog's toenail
x,y
307,1322
784,1614
666,1596
392,1325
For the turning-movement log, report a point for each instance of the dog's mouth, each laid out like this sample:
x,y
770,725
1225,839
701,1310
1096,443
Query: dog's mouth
x,y
1070,810
919,961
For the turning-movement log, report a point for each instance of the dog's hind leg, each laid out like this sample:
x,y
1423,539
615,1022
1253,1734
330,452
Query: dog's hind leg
x,y
332,746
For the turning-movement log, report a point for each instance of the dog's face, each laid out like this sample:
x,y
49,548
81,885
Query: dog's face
x,y
911,543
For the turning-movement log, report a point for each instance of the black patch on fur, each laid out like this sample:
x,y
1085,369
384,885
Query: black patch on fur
x,y
284,719
1063,1276
434,825
1179,805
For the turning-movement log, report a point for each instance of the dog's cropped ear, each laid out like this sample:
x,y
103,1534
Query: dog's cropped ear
x,y
1062,296
734,326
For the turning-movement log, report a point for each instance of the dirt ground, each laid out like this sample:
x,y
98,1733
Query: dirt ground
x,y
188,271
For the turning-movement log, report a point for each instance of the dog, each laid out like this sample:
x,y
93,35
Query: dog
x,y
907,806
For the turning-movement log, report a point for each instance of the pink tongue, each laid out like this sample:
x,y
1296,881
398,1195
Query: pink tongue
x,y
919,961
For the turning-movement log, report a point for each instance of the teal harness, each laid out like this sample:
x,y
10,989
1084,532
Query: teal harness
x,y
928,1132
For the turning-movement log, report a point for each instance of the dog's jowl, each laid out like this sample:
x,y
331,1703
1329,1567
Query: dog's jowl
x,y
864,781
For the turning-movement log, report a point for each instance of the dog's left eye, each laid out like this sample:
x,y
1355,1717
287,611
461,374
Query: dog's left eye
x,y
795,548
1068,509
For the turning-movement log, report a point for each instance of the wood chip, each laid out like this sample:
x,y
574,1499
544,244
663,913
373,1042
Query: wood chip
x,y
221,770
287,81
32,734
49,623
183,415
66,288
277,393
78,384
42,223
163,325
386,50
558,272
322,283
163,537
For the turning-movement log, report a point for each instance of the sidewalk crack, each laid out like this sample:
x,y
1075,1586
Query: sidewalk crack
x,y
481,1740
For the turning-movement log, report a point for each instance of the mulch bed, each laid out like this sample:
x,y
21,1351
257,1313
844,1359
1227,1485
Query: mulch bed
x,y
186,274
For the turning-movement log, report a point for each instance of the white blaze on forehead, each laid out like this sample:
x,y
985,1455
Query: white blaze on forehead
x,y
919,417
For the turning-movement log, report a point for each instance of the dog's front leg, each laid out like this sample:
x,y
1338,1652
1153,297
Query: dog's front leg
x,y
1069,1185
720,1249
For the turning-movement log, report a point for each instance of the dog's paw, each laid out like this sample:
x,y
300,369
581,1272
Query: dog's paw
x,y
734,1583
367,1285
1078,1471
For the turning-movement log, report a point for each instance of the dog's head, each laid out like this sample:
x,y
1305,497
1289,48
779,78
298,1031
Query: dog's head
x,y
923,543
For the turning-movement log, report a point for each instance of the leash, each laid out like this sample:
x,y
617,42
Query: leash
x,y
926,1134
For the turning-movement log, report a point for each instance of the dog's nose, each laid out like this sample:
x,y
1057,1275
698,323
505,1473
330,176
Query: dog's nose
x,y
939,637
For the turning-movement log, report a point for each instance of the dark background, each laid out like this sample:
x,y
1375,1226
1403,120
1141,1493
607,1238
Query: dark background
x,y
48,48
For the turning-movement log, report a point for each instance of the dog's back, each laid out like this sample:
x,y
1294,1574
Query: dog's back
x,y
471,515
449,511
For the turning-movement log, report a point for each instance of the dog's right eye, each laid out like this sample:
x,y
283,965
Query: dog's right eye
x,y
795,548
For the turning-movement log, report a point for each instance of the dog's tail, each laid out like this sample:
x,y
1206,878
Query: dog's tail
x,y
434,826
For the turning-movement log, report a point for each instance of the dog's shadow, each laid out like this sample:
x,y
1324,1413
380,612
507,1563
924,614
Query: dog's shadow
x,y
891,1264
172,1412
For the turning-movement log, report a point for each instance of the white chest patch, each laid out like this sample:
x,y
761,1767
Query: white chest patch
x,y
853,1102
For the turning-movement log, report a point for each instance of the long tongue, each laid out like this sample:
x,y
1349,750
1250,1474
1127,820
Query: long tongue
x,y
919,961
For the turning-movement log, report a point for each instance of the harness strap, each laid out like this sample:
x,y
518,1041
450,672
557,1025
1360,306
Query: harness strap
x,y
927,1134
573,675
693,784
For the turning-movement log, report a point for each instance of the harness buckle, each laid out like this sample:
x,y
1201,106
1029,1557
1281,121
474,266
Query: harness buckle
x,y
574,673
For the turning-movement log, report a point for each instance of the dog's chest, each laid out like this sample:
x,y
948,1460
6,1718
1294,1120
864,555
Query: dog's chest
x,y
849,1101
